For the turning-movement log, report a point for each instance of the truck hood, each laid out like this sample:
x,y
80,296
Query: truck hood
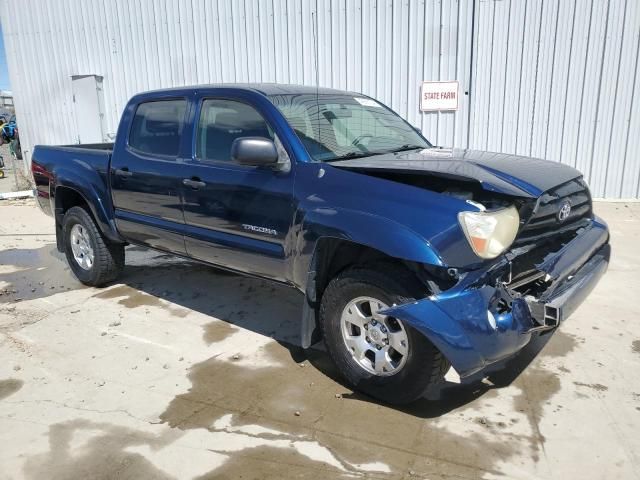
x,y
497,172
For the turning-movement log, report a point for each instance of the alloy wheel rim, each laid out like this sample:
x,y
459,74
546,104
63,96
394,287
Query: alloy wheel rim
x,y
81,247
377,343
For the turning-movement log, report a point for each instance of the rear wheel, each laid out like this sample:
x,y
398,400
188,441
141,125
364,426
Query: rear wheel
x,y
92,258
377,354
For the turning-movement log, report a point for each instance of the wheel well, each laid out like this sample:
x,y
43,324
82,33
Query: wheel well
x,y
333,255
65,199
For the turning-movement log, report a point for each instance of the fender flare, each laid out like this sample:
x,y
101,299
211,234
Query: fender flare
x,y
100,207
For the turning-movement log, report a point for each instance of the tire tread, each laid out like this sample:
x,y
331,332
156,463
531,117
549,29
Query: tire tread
x,y
403,285
109,257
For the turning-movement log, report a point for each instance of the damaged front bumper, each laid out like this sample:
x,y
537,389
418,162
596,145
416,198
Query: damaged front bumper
x,y
484,319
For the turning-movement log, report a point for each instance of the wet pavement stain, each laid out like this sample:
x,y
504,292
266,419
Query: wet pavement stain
x,y
537,386
132,298
635,346
30,273
9,387
269,397
266,463
560,344
471,456
217,331
331,413
103,457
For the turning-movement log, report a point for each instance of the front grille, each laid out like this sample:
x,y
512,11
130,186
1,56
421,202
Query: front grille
x,y
545,223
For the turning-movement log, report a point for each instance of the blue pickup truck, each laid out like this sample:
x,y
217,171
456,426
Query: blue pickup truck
x,y
412,259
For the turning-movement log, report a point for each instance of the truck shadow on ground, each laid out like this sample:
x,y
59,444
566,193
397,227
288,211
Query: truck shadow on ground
x,y
180,286
274,310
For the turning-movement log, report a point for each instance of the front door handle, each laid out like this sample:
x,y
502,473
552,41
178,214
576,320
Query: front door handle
x,y
194,183
123,172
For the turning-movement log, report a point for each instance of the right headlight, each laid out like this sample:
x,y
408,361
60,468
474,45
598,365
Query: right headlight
x,y
490,233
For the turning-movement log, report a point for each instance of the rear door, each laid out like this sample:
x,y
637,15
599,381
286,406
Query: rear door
x,y
236,216
146,175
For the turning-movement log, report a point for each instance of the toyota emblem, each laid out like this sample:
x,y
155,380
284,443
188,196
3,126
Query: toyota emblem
x,y
564,212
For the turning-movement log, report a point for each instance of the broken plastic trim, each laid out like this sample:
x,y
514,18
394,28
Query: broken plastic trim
x,y
457,323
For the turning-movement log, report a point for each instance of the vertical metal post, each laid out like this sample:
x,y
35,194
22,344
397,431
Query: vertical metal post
x,y
471,58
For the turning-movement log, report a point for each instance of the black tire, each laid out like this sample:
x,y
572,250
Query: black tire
x,y
108,257
18,149
425,365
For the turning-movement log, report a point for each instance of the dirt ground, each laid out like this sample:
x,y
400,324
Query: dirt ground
x,y
182,371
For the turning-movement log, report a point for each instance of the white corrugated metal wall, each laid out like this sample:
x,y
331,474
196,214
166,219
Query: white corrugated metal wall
x,y
382,48
558,79
551,78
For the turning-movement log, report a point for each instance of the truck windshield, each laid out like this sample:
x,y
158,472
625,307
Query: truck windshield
x,y
335,127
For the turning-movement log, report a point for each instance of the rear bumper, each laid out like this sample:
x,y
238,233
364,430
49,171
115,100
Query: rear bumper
x,y
481,321
42,179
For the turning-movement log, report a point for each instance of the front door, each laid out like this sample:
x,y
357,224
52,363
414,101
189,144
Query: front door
x,y
146,177
236,216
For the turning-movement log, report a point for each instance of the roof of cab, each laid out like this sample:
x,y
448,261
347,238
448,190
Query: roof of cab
x,y
263,88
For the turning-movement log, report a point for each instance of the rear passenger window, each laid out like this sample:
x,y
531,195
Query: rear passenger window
x,y
157,127
221,122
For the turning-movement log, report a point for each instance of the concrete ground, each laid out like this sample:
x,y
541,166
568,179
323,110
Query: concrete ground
x,y
181,371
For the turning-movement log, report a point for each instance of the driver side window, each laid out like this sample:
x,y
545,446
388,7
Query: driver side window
x,y
221,122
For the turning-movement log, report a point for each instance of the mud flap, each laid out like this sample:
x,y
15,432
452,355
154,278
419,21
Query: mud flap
x,y
309,331
309,328
59,215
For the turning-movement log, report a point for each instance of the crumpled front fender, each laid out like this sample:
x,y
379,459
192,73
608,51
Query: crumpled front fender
x,y
480,321
460,324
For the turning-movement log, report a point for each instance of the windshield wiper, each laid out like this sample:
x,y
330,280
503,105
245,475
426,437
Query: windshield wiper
x,y
407,147
350,155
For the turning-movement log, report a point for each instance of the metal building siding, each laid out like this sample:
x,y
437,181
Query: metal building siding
x,y
383,48
556,79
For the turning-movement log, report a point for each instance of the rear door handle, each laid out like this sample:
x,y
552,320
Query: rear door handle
x,y
123,172
194,183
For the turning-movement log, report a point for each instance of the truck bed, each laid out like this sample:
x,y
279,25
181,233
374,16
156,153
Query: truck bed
x,y
80,167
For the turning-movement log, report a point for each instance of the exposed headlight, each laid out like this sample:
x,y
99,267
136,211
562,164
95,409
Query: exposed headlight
x,y
490,233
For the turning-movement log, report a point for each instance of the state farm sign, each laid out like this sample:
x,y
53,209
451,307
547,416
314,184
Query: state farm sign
x,y
439,96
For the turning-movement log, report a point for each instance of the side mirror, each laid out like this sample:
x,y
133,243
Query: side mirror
x,y
254,151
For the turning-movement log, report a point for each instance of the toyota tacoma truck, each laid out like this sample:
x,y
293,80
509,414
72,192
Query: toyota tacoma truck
x,y
412,259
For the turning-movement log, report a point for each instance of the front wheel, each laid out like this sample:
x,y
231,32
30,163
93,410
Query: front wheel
x,y
377,354
93,259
